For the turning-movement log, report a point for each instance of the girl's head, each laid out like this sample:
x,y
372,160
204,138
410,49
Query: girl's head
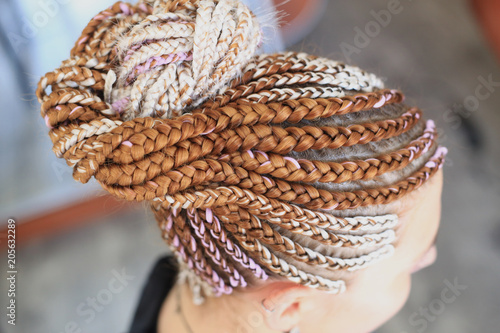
x,y
289,178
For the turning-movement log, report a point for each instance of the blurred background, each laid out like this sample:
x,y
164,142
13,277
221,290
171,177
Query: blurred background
x,y
73,239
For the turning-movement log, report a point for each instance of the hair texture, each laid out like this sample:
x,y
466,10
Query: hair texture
x,y
256,166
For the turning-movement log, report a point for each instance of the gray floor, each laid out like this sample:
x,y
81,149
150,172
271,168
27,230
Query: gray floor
x,y
434,52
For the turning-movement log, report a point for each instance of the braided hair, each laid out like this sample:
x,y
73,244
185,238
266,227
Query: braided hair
x,y
256,166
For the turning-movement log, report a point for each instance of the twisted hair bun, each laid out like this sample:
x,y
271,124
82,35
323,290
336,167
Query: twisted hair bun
x,y
256,166
181,54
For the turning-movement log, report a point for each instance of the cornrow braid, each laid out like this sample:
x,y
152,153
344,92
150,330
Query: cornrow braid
x,y
283,244
236,279
256,229
256,166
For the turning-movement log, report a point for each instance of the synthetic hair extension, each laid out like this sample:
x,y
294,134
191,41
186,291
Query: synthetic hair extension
x,y
256,166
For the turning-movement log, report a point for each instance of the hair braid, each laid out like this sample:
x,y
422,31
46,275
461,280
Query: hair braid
x,y
256,166
236,279
259,229
200,255
290,169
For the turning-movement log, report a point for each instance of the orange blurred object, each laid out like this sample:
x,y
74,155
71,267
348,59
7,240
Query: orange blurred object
x,y
488,14
298,18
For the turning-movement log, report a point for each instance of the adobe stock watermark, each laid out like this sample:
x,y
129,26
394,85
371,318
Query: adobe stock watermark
x,y
363,37
87,310
484,90
11,271
31,26
425,315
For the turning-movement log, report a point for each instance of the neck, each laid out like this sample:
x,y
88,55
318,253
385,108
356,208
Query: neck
x,y
226,314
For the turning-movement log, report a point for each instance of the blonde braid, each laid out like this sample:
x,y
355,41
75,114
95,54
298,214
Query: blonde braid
x,y
177,58
256,166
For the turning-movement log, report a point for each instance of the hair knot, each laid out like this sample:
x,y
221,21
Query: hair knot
x,y
181,54
241,186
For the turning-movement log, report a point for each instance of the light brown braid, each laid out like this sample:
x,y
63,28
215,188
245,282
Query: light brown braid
x,y
255,165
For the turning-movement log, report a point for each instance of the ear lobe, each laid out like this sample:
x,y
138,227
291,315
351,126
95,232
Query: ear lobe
x,y
284,305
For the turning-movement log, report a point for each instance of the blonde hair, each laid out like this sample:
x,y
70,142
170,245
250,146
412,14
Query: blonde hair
x,y
256,166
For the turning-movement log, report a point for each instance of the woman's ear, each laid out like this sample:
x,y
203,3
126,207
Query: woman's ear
x,y
285,305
